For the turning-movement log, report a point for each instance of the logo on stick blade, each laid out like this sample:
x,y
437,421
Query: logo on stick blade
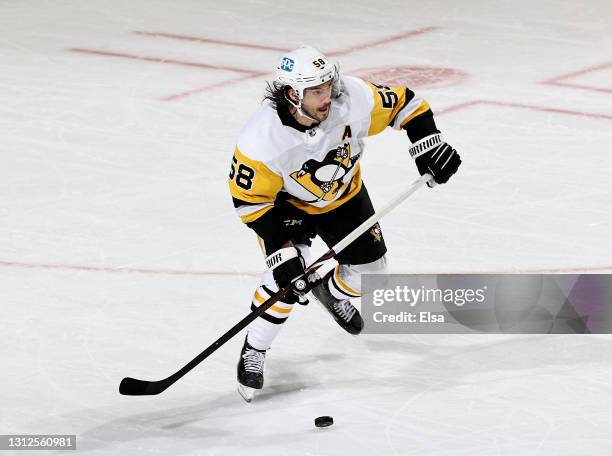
x,y
287,64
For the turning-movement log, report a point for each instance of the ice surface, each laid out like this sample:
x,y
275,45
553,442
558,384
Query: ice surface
x,y
120,253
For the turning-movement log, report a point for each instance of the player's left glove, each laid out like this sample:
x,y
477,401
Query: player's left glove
x,y
434,156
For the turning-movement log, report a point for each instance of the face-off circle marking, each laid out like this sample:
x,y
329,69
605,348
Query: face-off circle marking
x,y
413,77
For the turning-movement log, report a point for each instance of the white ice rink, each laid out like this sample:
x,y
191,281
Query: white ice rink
x,y
121,254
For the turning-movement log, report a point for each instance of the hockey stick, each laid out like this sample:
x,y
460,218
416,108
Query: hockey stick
x,y
134,387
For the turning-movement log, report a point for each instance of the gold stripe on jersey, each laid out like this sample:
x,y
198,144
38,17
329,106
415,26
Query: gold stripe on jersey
x,y
253,183
255,214
355,186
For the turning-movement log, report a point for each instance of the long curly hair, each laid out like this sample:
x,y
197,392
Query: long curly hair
x,y
277,93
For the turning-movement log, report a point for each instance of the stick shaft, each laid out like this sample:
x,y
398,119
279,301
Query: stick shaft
x,y
381,213
130,386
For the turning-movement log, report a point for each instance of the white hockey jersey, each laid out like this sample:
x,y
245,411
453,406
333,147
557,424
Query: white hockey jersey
x,y
319,168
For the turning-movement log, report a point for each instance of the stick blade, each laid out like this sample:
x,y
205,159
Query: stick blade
x,y
134,387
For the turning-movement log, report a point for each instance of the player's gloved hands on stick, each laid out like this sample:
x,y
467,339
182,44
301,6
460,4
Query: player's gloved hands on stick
x,y
434,156
287,264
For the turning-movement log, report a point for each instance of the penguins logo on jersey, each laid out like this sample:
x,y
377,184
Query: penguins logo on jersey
x,y
324,178
376,233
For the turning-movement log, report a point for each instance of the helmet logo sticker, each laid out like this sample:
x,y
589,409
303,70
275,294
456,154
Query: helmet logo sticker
x,y
287,64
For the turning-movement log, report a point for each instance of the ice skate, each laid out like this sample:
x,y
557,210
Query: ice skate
x,y
250,371
345,314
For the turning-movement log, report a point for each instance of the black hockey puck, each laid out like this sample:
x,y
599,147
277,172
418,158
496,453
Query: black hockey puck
x,y
324,421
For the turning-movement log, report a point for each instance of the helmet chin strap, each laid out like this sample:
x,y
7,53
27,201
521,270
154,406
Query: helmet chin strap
x,y
299,109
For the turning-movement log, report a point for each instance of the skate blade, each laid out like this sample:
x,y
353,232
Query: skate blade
x,y
246,392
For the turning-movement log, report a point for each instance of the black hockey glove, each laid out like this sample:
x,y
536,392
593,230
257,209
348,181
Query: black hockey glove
x,y
432,155
287,264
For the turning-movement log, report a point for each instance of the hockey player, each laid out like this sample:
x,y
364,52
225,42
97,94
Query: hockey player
x,y
296,174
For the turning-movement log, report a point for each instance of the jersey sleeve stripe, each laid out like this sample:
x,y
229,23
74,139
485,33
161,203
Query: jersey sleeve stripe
x,y
415,111
409,96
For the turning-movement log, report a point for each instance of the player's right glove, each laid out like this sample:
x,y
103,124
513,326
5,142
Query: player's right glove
x,y
434,156
287,264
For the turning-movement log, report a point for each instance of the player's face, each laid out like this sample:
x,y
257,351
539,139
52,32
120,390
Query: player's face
x,y
317,101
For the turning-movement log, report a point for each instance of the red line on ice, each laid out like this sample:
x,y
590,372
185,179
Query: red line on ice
x,y
224,83
176,272
162,60
206,88
581,86
250,73
457,107
573,74
14,264
386,40
254,74
345,51
561,80
523,106
568,270
209,40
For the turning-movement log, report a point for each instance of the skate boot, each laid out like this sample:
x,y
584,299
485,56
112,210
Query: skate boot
x,y
250,371
345,314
